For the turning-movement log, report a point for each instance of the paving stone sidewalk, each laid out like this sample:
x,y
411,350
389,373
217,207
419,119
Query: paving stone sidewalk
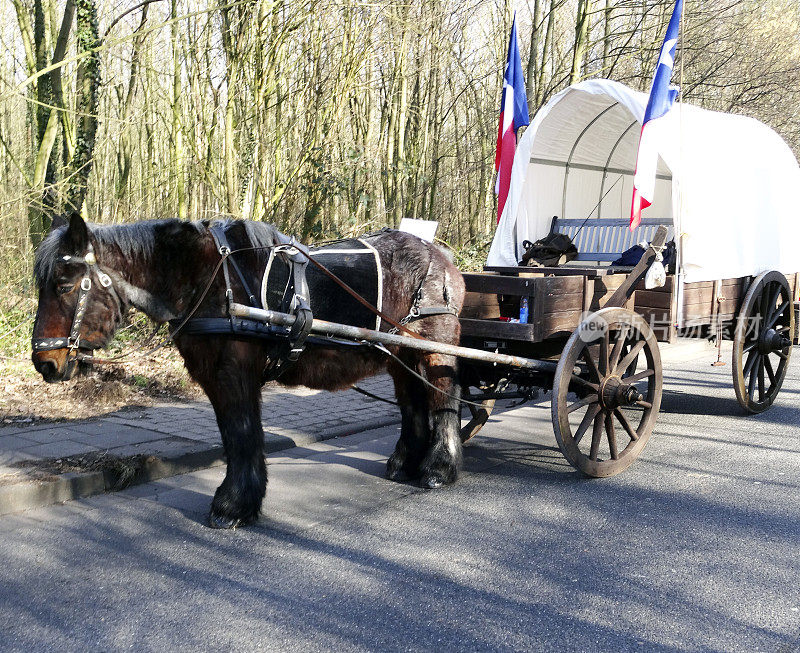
x,y
175,437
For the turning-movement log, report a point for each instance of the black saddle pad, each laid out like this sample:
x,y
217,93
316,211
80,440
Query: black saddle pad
x,y
353,262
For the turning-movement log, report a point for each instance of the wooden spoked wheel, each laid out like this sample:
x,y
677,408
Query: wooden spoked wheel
x,y
478,415
604,415
762,344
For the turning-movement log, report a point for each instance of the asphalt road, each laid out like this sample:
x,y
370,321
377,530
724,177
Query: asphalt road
x,y
694,547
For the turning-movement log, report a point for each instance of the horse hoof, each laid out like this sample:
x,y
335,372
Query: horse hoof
x,y
398,475
219,521
433,481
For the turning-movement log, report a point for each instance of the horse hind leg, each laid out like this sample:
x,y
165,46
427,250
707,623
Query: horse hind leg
x,y
404,463
443,458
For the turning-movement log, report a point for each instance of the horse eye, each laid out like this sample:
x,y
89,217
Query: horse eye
x,y
64,288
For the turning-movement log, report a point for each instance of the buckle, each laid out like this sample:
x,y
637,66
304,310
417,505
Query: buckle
x,y
86,284
291,250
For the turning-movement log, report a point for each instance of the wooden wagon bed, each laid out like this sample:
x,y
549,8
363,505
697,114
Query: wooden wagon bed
x,y
558,297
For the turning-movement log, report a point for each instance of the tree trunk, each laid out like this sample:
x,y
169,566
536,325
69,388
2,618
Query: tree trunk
x,y
177,127
581,40
87,32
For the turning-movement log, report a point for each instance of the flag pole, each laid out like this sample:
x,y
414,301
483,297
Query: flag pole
x,y
678,225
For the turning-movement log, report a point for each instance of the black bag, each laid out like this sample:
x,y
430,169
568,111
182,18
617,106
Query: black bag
x,y
553,250
631,256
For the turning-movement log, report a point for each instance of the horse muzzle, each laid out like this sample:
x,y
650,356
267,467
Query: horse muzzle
x,y
55,365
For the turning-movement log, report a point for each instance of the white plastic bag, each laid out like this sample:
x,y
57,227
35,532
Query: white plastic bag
x,y
656,276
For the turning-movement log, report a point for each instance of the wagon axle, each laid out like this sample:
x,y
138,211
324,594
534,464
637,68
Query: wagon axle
x,y
614,392
771,341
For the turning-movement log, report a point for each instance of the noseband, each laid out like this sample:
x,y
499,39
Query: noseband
x,y
73,341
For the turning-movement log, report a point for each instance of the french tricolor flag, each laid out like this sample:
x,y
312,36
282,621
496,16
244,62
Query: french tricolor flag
x,y
662,97
513,115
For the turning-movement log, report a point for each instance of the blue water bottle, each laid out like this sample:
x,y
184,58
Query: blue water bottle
x,y
523,310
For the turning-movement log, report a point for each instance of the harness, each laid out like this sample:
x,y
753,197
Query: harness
x,y
289,342
417,312
73,341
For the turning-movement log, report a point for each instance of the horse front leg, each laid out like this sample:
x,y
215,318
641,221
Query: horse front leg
x,y
230,374
443,458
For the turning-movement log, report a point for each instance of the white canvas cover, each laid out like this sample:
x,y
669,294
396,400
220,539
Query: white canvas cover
x,y
729,183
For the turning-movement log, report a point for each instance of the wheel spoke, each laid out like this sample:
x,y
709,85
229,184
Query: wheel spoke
x,y
622,335
644,404
751,388
770,371
581,381
773,301
763,303
780,355
773,318
597,433
639,376
626,424
748,348
604,344
631,356
589,399
761,379
612,436
587,356
587,419
751,359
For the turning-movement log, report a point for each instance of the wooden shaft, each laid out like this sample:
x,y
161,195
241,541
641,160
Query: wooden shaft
x,y
322,327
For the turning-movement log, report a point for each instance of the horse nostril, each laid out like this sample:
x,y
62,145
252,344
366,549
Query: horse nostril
x,y
47,369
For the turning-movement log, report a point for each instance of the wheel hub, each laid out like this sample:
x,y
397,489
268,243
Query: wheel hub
x,y
614,392
770,341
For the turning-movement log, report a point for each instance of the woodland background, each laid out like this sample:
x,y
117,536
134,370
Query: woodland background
x,y
327,118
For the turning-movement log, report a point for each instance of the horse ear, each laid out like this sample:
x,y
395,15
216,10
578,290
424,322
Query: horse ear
x,y
77,236
58,221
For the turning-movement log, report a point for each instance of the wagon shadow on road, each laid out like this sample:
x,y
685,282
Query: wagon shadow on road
x,y
783,411
690,403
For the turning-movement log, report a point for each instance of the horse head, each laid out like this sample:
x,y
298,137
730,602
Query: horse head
x,y
79,309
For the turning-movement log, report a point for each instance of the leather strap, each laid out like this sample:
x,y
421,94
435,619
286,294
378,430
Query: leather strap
x,y
223,247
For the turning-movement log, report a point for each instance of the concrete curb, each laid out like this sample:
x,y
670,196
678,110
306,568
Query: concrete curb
x,y
66,487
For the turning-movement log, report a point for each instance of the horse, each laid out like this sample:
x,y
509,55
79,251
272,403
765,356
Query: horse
x,y
89,276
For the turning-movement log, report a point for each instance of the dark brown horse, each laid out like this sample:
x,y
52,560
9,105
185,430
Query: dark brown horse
x,y
161,268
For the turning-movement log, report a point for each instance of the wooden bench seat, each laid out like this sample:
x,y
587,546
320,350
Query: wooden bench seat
x,y
602,240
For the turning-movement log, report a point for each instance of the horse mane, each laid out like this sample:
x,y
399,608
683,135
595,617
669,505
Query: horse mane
x,y
137,240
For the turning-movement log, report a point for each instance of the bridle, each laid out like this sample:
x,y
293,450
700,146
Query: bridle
x,y
73,341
